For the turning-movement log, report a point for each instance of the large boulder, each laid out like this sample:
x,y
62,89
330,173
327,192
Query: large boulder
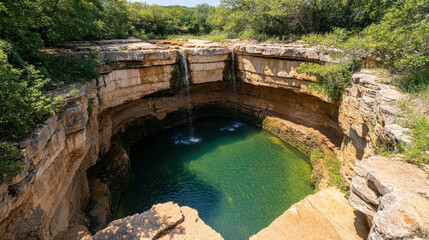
x,y
324,215
394,195
165,221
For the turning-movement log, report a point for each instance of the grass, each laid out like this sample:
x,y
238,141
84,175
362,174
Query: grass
x,y
413,117
333,166
416,84
417,151
214,37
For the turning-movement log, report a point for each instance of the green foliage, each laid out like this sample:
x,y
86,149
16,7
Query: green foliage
x,y
399,40
334,166
9,159
332,78
69,70
154,21
263,19
22,106
418,151
214,37
414,82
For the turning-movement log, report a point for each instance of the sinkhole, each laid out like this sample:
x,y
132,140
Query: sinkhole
x,y
238,177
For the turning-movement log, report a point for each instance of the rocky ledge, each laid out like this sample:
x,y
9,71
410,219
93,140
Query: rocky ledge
x,y
165,221
394,196
324,215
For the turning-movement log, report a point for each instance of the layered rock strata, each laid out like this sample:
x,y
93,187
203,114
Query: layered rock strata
x,y
367,118
275,66
138,80
141,83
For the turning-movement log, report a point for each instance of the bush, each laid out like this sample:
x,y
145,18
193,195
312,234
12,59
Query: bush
x,y
68,70
413,82
332,78
9,159
417,151
22,106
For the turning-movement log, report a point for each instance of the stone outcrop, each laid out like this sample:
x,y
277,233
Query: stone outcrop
x,y
275,66
394,196
306,139
367,116
324,215
165,221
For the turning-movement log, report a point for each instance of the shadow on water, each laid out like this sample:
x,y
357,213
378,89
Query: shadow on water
x,y
227,176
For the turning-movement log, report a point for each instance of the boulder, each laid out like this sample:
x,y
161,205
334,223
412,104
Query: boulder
x,y
324,215
394,196
162,221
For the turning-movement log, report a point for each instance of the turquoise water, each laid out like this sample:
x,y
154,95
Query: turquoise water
x,y
239,177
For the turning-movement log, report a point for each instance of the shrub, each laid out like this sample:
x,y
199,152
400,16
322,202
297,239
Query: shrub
x,y
332,78
22,106
417,151
9,159
68,70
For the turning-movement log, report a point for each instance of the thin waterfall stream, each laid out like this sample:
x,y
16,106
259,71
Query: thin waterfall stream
x,y
233,76
186,80
234,80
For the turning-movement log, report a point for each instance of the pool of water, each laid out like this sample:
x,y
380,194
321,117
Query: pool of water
x,y
238,176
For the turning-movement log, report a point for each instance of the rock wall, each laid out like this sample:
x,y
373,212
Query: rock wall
x,y
391,193
275,66
144,80
366,115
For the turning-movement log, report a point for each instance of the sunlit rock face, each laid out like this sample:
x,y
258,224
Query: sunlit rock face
x,y
162,221
395,199
315,217
206,61
367,115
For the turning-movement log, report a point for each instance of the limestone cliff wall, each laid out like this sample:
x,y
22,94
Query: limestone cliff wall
x,y
275,66
366,115
144,80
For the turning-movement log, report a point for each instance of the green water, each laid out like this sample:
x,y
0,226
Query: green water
x,y
239,177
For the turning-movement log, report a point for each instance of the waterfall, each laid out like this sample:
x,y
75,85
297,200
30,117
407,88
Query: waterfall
x,y
234,78
186,82
234,82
